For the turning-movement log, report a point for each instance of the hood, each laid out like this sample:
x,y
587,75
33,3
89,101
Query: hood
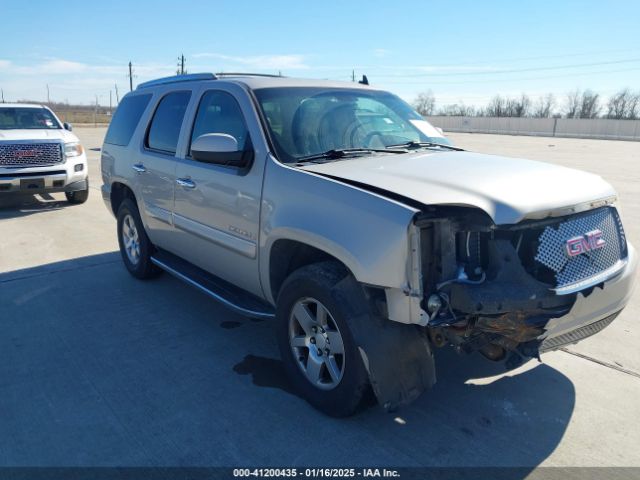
x,y
33,134
507,189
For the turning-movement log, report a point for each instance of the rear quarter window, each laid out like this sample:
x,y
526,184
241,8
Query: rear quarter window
x,y
126,119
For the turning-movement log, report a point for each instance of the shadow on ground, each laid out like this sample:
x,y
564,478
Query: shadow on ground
x,y
22,204
97,368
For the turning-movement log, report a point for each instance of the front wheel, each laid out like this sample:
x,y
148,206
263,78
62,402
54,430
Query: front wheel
x,y
79,196
317,347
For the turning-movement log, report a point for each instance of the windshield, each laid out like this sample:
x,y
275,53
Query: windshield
x,y
27,118
308,121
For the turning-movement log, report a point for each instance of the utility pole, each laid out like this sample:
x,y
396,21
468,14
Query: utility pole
x,y
181,70
95,113
117,96
48,99
130,77
2,93
110,104
353,76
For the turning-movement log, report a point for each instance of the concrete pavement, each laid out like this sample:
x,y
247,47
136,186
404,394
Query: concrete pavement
x,y
97,368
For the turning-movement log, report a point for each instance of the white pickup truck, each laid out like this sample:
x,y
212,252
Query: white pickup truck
x,y
39,154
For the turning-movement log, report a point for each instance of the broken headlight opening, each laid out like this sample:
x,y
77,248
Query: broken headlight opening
x,y
493,289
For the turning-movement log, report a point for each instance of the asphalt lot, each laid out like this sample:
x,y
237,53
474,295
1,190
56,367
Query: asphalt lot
x,y
97,368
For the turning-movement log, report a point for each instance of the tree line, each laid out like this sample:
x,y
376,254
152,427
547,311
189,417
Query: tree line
x,y
625,104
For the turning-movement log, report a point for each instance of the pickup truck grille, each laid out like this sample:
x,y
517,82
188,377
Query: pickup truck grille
x,y
600,249
30,154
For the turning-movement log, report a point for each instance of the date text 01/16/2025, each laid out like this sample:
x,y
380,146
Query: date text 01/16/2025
x,y
316,473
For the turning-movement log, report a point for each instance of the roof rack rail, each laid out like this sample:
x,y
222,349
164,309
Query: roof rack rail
x,y
190,77
245,74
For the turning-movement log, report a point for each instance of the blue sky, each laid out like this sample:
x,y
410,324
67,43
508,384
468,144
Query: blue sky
x,y
464,51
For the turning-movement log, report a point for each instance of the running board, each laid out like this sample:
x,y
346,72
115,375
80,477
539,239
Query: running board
x,y
227,294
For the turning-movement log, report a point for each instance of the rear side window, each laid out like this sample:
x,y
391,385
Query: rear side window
x,y
126,118
164,130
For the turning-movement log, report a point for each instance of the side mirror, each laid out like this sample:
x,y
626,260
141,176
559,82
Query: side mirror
x,y
440,131
67,126
219,149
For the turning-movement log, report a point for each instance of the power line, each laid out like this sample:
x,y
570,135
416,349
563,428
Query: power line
x,y
513,70
463,63
545,57
521,79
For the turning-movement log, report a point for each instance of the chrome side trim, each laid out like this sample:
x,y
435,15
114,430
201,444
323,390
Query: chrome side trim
x,y
224,239
159,213
212,294
591,281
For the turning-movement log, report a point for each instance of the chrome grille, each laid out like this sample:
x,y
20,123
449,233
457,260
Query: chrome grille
x,y
576,335
552,247
30,154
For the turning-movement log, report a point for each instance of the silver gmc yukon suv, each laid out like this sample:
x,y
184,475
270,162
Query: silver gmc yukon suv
x,y
39,154
339,211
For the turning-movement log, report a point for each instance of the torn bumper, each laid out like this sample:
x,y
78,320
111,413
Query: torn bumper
x,y
597,309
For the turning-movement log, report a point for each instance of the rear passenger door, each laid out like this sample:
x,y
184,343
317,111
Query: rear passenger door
x,y
216,212
155,166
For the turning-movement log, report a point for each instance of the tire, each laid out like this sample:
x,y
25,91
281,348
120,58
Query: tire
x,y
79,196
307,291
135,247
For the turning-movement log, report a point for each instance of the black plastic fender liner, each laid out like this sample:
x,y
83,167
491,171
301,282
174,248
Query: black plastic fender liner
x,y
397,357
399,361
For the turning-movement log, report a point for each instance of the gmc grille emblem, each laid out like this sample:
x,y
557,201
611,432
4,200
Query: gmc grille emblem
x,y
26,153
589,241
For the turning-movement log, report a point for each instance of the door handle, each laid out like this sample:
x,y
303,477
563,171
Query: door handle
x,y
186,182
138,167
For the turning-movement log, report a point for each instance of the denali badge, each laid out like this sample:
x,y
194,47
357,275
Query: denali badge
x,y
589,241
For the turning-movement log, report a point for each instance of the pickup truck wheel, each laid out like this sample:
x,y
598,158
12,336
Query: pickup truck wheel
x,y
316,345
135,246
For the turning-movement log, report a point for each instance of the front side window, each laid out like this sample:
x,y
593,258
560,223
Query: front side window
x,y
305,121
27,118
164,130
219,112
126,119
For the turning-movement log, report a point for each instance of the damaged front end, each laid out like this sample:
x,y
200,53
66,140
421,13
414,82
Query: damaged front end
x,y
495,288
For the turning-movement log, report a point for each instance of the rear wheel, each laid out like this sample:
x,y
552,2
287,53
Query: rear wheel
x,y
317,347
135,247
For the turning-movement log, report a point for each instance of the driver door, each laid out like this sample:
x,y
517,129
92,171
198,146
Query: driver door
x,y
216,209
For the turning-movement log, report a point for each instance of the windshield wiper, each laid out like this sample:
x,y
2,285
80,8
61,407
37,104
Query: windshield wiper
x,y
335,154
414,145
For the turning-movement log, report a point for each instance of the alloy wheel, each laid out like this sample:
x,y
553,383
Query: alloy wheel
x,y
316,343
